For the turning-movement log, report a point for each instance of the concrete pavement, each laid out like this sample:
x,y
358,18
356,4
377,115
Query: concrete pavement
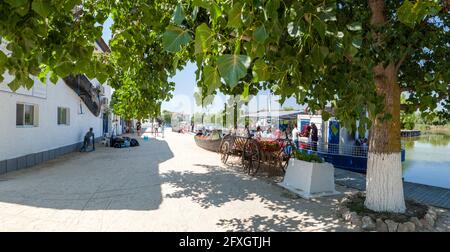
x,y
164,185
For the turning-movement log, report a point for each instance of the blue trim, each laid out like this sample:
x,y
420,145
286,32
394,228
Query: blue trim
x,y
34,159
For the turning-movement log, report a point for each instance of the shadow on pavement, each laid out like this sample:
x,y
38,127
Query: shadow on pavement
x,y
107,179
219,186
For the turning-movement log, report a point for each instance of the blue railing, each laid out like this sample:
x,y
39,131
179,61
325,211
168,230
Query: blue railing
x,y
344,156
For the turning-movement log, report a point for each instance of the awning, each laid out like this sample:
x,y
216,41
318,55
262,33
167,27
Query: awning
x,y
282,115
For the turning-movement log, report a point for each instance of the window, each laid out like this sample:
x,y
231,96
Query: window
x,y
26,114
63,116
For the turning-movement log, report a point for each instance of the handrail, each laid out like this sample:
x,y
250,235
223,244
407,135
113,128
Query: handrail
x,y
337,149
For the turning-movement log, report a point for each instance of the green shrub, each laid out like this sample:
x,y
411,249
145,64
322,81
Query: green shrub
x,y
304,156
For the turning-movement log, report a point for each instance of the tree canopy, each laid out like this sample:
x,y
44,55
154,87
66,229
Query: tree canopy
x,y
357,55
317,51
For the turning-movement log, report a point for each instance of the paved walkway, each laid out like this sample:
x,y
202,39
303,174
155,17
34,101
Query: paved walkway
x,y
169,185
163,185
430,195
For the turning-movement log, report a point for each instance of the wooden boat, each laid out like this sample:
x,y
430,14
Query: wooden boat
x,y
207,143
210,142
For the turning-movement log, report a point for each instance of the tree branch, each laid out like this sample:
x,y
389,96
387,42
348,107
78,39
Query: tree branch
x,y
402,59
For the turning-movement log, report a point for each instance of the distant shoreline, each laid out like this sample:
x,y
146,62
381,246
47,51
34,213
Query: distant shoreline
x,y
434,129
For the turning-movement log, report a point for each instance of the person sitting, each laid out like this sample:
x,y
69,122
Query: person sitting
x,y
87,137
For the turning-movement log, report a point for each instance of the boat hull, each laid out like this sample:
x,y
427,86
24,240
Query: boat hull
x,y
207,144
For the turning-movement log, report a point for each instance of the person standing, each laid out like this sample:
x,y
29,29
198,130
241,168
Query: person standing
x,y
295,136
138,128
314,136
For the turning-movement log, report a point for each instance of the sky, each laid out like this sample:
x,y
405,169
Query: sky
x,y
185,87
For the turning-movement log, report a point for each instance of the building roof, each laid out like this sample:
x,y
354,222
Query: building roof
x,y
102,44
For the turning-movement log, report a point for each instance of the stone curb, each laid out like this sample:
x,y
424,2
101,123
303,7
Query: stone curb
x,y
367,223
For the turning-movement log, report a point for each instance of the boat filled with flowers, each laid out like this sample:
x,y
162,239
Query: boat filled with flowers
x,y
209,140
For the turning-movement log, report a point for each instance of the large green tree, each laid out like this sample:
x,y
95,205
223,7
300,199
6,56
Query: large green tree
x,y
50,37
356,55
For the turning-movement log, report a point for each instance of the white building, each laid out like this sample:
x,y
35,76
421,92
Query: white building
x,y
48,120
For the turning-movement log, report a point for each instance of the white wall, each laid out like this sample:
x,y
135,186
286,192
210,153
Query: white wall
x,y
19,141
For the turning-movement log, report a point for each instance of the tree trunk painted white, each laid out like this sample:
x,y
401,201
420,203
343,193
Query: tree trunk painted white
x,y
384,183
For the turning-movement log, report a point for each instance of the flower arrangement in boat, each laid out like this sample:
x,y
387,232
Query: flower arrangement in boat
x,y
308,157
214,135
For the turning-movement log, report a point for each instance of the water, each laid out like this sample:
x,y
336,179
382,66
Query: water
x,y
428,160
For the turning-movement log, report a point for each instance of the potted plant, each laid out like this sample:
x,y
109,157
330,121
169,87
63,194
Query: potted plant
x,y
309,176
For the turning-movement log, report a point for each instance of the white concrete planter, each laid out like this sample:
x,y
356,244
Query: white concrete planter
x,y
309,180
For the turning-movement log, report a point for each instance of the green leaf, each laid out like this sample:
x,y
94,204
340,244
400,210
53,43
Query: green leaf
x,y
411,14
405,13
272,8
22,10
245,93
320,27
41,7
64,68
261,71
16,3
254,49
351,50
429,77
174,38
3,59
356,42
70,4
203,39
325,116
14,84
201,3
28,82
42,76
102,77
235,16
215,12
233,67
325,51
355,26
317,56
178,15
195,13
260,34
211,78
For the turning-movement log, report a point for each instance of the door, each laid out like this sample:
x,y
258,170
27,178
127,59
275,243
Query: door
x,y
105,123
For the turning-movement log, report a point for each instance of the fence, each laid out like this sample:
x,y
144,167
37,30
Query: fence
x,y
337,149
